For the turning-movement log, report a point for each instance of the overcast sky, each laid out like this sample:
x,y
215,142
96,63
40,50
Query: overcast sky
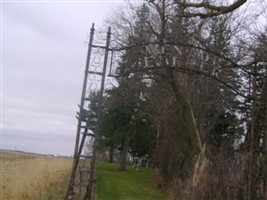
x,y
43,53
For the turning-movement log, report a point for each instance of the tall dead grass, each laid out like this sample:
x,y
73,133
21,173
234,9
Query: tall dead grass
x,y
26,176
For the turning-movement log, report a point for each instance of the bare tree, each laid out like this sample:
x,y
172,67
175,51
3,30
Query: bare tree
x,y
185,49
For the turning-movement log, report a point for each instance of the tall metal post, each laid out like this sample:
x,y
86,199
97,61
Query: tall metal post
x,y
90,188
77,142
85,128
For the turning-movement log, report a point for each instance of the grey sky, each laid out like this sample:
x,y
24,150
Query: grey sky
x,y
43,57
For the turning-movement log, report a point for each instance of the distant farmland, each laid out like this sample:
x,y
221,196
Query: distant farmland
x,y
26,176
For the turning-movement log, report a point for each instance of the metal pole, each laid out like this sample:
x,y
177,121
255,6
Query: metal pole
x,y
251,164
265,147
76,157
89,191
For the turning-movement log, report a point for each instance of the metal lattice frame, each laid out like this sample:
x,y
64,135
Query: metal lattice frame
x,y
83,175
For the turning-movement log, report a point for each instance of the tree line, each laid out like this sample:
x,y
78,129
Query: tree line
x,y
191,97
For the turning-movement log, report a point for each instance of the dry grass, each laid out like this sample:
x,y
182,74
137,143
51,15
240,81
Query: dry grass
x,y
26,176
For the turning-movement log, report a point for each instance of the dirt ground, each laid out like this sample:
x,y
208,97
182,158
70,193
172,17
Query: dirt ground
x,y
26,176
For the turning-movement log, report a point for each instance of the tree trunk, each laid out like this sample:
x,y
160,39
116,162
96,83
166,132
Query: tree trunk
x,y
123,153
186,115
195,148
111,152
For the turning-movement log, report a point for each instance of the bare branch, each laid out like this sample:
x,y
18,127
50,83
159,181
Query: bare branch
x,y
192,71
213,10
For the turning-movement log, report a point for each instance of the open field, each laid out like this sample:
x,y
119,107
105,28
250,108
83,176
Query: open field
x,y
130,185
26,176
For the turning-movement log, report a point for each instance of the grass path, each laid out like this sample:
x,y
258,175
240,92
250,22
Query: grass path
x,y
130,185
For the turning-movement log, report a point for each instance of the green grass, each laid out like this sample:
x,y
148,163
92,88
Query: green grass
x,y
130,185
